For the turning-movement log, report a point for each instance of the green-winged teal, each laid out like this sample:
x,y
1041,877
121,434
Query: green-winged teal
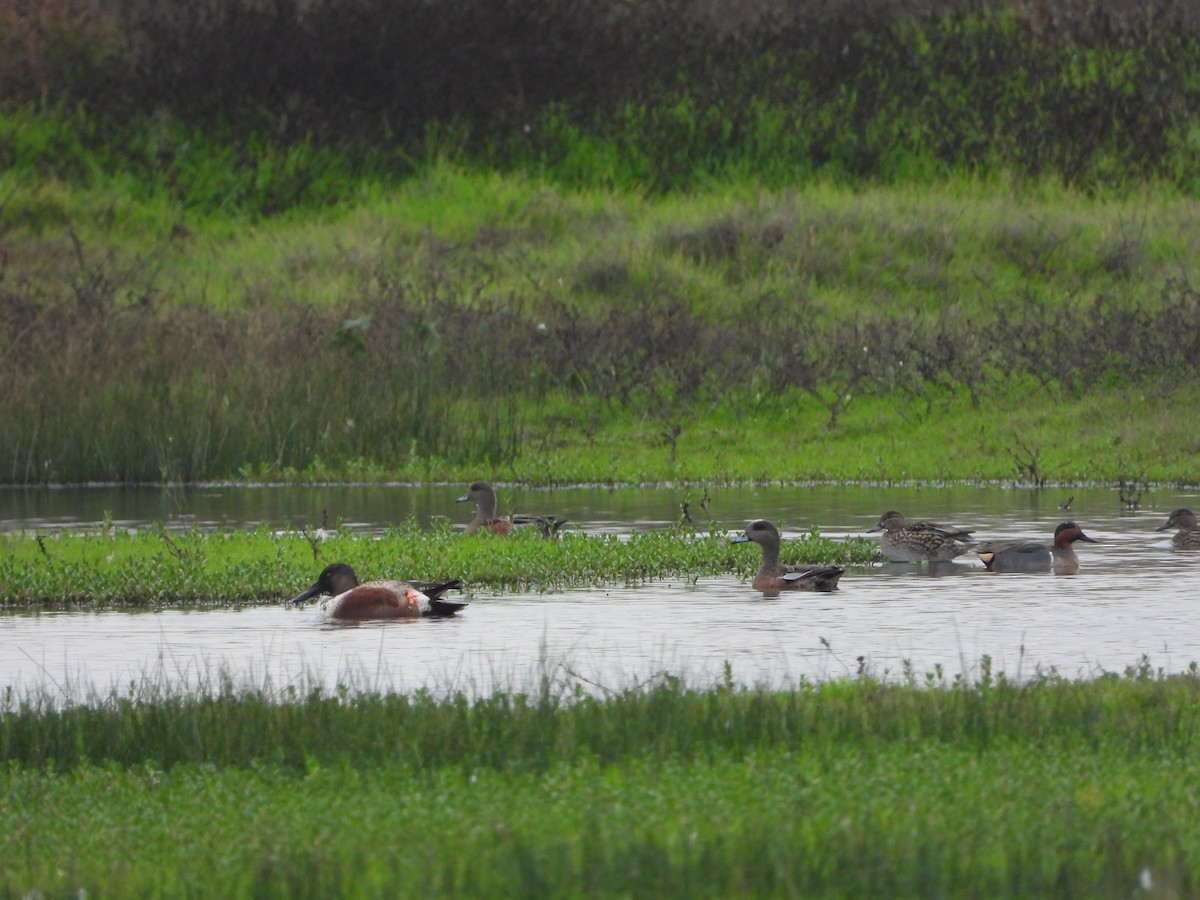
x,y
905,541
483,495
773,576
1037,556
1188,535
351,601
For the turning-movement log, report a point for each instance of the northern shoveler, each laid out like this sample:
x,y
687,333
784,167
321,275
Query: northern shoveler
x,y
1188,535
351,601
773,576
483,495
1037,556
905,541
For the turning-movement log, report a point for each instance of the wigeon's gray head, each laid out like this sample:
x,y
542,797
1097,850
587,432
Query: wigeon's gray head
x,y
758,531
476,491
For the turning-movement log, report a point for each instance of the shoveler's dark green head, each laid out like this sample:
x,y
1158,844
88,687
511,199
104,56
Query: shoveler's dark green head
x,y
335,578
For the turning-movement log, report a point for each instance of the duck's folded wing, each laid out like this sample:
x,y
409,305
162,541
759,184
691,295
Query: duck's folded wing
x,y
946,531
827,575
547,525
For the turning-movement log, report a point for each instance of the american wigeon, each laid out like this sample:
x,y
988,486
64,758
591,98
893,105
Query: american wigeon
x,y
773,576
1037,556
351,601
905,541
1188,535
483,495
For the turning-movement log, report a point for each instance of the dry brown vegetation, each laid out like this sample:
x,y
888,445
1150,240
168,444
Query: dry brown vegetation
x,y
107,380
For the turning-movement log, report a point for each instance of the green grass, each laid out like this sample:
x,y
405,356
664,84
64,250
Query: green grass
x,y
1101,437
1051,788
156,568
958,240
1007,331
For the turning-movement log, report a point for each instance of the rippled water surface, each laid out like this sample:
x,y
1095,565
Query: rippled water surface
x,y
1133,597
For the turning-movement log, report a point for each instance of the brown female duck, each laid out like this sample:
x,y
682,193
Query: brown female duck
x,y
483,495
905,541
1188,535
773,576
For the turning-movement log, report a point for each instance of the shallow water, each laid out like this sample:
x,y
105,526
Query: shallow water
x,y
1133,597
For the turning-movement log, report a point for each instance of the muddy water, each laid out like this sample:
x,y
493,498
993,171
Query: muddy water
x,y
1134,597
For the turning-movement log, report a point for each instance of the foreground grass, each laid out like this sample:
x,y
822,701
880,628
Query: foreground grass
x,y
118,569
1051,788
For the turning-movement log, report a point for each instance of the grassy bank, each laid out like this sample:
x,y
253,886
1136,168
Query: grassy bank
x,y
227,252
846,788
469,321
157,568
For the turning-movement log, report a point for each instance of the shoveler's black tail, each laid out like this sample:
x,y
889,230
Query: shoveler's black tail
x,y
434,591
440,607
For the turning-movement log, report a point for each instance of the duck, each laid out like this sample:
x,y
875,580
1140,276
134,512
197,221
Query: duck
x,y
483,495
1037,556
905,541
772,576
351,601
1188,535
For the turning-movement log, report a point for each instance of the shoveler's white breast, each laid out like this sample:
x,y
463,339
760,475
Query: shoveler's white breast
x,y
376,600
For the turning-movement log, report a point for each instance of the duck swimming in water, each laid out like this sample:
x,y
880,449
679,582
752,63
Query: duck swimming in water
x,y
905,541
351,601
1037,556
1188,535
773,576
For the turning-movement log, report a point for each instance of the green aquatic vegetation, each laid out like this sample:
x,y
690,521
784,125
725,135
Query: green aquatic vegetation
x,y
156,567
980,787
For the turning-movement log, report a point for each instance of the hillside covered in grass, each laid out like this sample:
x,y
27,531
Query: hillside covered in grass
x,y
598,242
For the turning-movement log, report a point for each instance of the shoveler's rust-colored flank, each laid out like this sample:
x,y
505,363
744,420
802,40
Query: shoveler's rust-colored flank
x,y
905,541
1037,556
351,601
773,576
483,495
1188,535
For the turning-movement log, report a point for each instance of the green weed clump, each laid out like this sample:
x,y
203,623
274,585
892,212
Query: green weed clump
x,y
157,568
982,787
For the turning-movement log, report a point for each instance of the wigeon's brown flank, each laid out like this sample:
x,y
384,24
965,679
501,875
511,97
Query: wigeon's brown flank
x,y
1037,556
389,599
773,576
483,495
